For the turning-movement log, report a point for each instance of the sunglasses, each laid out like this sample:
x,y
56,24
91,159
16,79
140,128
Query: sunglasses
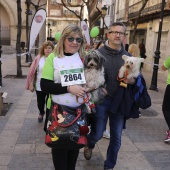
x,y
78,40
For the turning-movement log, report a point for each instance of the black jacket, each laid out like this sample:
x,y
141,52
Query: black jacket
x,y
127,101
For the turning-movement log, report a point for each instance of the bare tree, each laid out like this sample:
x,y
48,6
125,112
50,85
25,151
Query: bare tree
x,y
136,20
83,3
37,6
18,48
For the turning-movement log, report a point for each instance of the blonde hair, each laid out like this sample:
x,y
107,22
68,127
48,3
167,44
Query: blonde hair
x,y
134,50
70,30
45,44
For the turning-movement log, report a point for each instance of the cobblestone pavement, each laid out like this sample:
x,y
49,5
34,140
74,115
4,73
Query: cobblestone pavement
x,y
22,137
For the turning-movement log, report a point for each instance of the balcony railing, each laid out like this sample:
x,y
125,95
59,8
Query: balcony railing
x,y
146,11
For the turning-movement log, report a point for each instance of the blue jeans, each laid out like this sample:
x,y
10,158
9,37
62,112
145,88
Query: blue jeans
x,y
116,122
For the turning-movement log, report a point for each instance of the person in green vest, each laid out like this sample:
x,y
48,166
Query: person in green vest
x,y
166,99
58,79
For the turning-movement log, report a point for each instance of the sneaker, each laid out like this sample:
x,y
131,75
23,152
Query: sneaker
x,y
167,139
106,134
87,153
89,129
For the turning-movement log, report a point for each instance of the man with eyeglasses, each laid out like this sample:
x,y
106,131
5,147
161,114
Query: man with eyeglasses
x,y
113,51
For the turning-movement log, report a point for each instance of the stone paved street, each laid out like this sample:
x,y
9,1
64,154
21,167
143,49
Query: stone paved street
x,y
22,137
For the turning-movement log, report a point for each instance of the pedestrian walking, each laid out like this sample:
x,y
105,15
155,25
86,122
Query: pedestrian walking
x,y
34,76
113,51
61,68
166,99
142,52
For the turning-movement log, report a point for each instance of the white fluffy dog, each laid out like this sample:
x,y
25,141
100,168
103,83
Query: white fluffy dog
x,y
94,74
131,67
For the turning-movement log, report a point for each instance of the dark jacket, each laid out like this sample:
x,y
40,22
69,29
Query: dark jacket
x,y
112,65
127,101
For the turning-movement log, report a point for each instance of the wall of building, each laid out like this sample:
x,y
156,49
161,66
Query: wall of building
x,y
151,41
59,17
9,19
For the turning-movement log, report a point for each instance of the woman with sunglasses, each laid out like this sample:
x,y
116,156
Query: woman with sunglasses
x,y
57,80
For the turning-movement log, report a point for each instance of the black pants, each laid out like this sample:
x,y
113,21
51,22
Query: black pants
x,y
46,119
41,101
166,105
64,159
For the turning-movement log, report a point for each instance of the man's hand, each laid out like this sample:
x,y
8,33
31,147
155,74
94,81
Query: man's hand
x,y
130,80
104,91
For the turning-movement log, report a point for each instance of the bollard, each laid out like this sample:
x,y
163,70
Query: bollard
x,y
1,103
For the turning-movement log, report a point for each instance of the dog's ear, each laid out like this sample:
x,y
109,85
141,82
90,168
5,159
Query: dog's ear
x,y
125,57
86,61
101,60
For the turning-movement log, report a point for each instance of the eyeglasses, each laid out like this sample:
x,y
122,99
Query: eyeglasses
x,y
116,33
78,40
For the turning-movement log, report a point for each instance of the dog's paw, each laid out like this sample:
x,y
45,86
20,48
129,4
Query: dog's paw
x,y
121,75
122,72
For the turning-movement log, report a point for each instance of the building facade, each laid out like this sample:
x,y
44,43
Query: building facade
x,y
58,16
148,26
9,21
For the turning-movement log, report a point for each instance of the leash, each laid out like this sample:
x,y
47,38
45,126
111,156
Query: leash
x,y
150,63
85,100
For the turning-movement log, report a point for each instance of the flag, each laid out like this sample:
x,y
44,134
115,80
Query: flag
x,y
85,29
37,22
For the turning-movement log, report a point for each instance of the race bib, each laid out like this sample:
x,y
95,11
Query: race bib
x,y
72,77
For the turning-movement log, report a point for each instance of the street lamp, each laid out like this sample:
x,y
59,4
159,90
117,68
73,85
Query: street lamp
x,y
48,29
153,85
104,10
50,33
85,20
28,12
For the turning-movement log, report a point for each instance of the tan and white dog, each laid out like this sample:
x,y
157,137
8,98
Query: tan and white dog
x,y
131,67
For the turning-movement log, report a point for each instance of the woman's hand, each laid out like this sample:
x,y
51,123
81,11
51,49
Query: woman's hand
x,y
76,90
104,91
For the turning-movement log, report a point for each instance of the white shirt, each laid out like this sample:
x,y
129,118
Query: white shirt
x,y
39,72
66,63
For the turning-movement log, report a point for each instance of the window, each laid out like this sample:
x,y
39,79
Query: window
x,y
55,1
55,12
73,2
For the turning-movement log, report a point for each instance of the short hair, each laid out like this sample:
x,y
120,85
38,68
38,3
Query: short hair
x,y
117,24
68,31
45,44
